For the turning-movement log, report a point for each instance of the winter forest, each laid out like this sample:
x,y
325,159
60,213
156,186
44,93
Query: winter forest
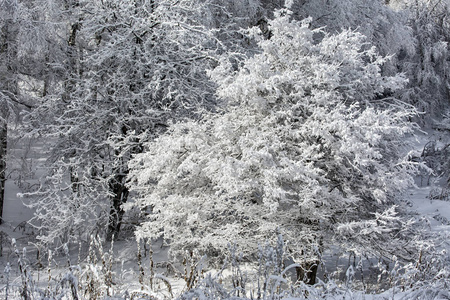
x,y
224,149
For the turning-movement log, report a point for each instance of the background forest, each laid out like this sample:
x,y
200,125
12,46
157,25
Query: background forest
x,y
225,149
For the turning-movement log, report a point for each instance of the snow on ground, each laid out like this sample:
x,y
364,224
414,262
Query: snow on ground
x,y
435,210
22,163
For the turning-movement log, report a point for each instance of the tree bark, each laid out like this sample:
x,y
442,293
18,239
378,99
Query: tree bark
x,y
3,146
308,272
120,196
9,86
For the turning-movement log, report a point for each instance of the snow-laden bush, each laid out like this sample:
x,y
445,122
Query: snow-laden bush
x,y
310,139
271,277
426,278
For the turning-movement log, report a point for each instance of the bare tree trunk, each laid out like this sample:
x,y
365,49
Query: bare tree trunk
x,y
3,145
308,272
9,87
120,192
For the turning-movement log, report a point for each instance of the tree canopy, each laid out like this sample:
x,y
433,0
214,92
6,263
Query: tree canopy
x,y
309,139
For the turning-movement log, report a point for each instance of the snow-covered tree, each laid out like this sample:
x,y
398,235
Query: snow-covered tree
x,y
307,141
132,65
14,65
429,66
383,27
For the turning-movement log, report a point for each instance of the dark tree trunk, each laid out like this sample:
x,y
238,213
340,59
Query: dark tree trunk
x,y
308,272
8,84
120,196
3,145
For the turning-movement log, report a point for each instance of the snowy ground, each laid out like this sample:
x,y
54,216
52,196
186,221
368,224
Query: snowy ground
x,y
436,211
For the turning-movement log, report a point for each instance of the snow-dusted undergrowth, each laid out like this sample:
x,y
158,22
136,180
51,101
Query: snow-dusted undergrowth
x,y
99,277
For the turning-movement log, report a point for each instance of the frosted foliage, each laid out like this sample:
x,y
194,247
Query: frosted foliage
x,y
429,67
130,66
307,139
77,215
8,8
383,27
42,23
9,45
242,12
163,42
